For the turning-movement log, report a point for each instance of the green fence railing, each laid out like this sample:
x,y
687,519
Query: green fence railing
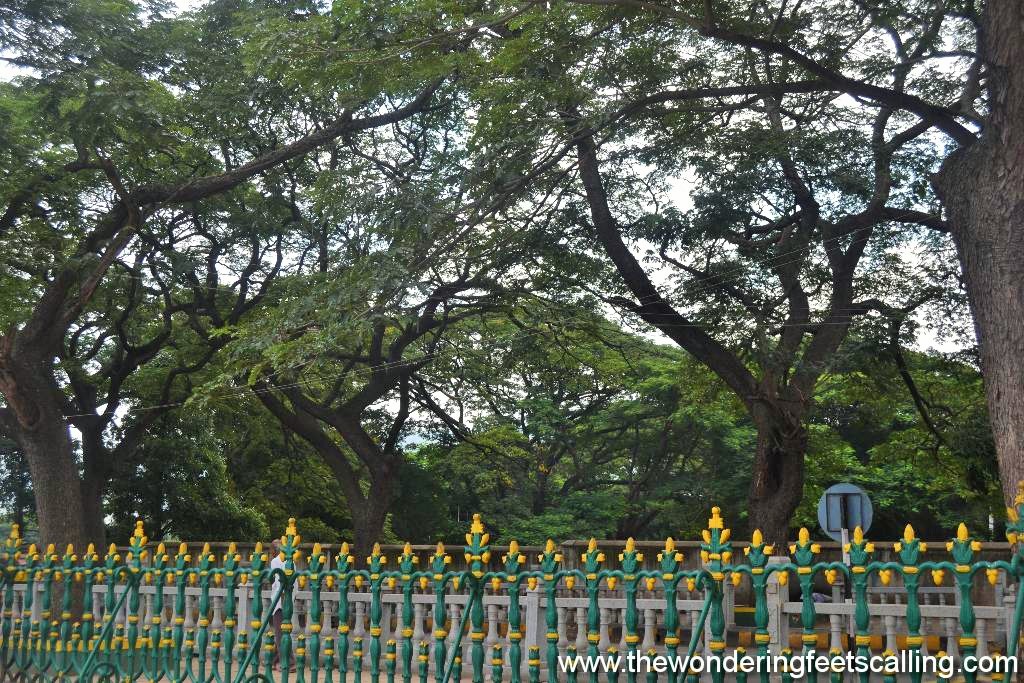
x,y
157,614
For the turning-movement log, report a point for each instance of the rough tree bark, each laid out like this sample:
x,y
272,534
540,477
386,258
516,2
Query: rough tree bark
x,y
982,188
34,420
777,481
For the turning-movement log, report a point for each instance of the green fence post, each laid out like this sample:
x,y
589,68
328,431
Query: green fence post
x,y
407,562
328,660
668,564
803,552
375,563
182,576
716,552
534,664
592,560
230,581
10,555
439,565
257,570
629,561
513,562
290,552
963,548
206,560
313,569
343,564
757,554
860,554
497,662
424,661
478,554
389,660
909,551
357,659
550,560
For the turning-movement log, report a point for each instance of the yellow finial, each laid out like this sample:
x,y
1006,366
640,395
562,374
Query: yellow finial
x,y
91,550
70,549
513,547
183,548
908,533
716,518
477,527
407,548
549,546
376,550
757,538
591,545
15,531
316,549
1019,500
232,548
858,535
440,549
630,545
112,549
206,549
343,550
961,532
670,545
160,549
139,533
804,535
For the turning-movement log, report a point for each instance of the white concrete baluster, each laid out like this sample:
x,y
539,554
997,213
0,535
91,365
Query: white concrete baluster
x,y
835,628
649,626
581,630
890,633
418,633
359,624
561,629
604,641
952,647
981,633
455,615
491,639
217,622
327,611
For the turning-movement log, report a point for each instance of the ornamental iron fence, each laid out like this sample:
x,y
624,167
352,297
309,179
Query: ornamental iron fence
x,y
145,614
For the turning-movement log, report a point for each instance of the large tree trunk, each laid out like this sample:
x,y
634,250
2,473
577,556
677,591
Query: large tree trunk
x,y
94,484
56,484
777,484
368,519
982,188
34,418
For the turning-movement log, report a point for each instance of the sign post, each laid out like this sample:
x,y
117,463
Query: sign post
x,y
844,507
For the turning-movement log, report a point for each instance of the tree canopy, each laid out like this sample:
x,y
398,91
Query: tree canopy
x,y
586,266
